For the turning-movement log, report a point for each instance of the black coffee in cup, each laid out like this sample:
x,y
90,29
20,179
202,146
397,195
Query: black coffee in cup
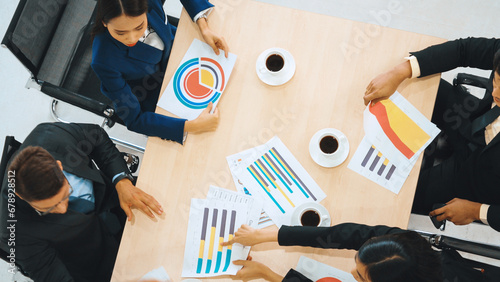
x,y
275,62
328,144
310,218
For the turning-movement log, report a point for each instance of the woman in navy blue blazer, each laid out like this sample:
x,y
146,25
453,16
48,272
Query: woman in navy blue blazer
x,y
131,46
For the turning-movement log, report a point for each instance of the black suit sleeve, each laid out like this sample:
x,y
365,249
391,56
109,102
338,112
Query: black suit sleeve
x,y
92,141
493,217
342,236
468,52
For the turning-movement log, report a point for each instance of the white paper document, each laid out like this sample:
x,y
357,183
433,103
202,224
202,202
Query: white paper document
x,y
234,161
320,272
201,78
396,133
159,274
273,176
212,221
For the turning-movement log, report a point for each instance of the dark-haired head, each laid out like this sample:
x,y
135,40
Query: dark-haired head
x,y
38,174
398,257
107,10
496,62
496,79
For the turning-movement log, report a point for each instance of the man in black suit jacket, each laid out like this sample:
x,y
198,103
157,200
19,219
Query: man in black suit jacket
x,y
468,180
57,238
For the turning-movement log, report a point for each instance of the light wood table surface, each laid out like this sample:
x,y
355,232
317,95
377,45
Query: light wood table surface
x,y
336,59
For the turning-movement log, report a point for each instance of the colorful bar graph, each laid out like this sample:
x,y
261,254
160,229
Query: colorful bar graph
x,y
212,239
375,161
221,239
231,235
259,180
382,167
268,158
368,155
270,178
292,173
202,240
278,173
391,171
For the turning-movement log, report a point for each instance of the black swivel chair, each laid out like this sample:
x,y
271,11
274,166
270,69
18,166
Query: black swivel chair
x,y
435,155
51,38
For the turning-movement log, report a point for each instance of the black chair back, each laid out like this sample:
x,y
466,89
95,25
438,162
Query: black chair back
x,y
10,147
51,38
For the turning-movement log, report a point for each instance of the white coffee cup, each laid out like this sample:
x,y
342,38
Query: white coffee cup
x,y
311,214
274,63
328,144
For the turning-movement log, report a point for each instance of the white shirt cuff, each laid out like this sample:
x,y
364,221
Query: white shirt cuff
x,y
415,67
483,213
203,13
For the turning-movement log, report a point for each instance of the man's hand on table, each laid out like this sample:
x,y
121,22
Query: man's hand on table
x,y
133,197
385,84
458,211
249,236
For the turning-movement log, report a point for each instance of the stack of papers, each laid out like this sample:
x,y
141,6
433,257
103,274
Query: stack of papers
x,y
396,133
212,221
272,175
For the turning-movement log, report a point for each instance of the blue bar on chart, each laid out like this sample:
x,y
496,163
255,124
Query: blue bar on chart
x,y
221,239
230,237
202,240
212,239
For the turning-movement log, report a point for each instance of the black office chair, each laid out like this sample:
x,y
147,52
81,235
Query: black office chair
x,y
440,150
52,40
10,147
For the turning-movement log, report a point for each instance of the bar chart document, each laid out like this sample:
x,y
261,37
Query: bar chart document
x,y
211,222
396,133
234,162
276,178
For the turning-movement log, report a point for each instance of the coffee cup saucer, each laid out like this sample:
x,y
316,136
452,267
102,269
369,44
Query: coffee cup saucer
x,y
334,159
275,79
325,219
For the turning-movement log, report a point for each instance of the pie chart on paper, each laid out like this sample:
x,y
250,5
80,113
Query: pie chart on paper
x,y
200,78
199,81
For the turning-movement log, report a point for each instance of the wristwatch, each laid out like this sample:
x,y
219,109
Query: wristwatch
x,y
122,176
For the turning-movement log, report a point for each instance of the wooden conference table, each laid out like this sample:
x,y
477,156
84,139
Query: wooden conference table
x,y
336,59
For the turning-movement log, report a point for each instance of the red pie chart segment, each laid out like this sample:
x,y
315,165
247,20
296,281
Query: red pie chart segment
x,y
192,86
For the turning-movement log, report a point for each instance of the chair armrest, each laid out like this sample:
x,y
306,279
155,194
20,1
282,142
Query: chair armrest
x,y
469,247
75,99
470,79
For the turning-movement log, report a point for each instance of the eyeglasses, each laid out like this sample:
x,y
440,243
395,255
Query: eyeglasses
x,y
54,206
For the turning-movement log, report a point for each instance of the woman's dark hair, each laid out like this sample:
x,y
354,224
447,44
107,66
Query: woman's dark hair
x,y
496,62
38,176
400,257
110,9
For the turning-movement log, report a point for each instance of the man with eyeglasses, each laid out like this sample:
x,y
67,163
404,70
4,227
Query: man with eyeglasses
x,y
73,191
